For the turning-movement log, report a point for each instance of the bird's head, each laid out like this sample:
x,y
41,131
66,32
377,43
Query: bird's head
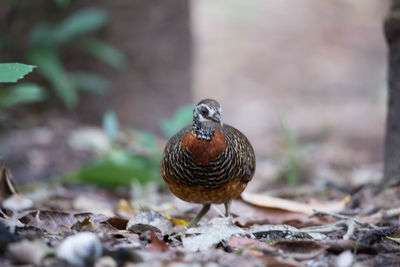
x,y
207,110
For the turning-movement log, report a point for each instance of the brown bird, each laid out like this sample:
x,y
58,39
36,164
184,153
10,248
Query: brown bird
x,y
208,162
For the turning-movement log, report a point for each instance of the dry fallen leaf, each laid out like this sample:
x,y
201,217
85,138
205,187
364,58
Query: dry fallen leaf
x,y
157,244
56,221
87,225
247,258
272,260
7,186
266,201
148,219
118,223
245,242
301,249
250,214
210,234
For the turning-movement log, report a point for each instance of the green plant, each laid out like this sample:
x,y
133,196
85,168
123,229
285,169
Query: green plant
x,y
12,72
396,239
181,118
296,165
21,93
118,167
293,164
133,156
47,44
357,245
111,125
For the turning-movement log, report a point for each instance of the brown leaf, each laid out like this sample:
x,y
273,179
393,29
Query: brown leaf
x,y
266,201
7,186
250,215
271,260
240,242
57,221
301,249
156,244
246,259
338,246
244,242
118,223
87,225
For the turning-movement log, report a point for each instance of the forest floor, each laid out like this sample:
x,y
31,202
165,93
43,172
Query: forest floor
x,y
296,212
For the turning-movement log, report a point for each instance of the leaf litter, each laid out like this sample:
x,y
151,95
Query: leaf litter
x,y
95,227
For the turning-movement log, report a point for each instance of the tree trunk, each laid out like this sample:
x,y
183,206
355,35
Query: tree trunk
x,y
392,142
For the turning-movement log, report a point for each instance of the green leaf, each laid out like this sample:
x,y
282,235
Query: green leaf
x,y
90,82
118,169
52,69
147,139
111,125
80,23
104,51
357,245
181,118
12,72
397,239
3,119
22,94
293,162
62,3
42,34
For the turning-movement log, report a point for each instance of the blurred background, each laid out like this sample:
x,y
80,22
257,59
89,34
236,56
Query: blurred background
x,y
304,80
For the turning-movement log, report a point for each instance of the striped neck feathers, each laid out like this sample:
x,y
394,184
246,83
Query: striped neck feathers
x,y
204,130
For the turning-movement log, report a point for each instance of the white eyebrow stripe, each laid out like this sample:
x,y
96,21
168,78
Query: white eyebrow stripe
x,y
202,119
211,110
204,105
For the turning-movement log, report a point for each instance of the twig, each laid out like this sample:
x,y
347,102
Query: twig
x,y
351,227
327,228
387,214
344,217
218,211
384,215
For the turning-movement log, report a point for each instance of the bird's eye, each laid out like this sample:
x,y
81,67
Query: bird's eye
x,y
204,111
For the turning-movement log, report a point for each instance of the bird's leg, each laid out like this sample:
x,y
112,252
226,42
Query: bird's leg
x,y
196,219
228,208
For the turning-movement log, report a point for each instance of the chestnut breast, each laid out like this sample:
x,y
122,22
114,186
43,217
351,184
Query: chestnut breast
x,y
203,151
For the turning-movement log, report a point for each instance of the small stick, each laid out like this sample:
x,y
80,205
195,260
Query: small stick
x,y
344,217
387,214
351,227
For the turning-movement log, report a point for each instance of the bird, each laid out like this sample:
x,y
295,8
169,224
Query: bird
x,y
208,162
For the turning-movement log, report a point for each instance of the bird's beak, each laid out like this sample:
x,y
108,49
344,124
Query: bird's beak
x,y
216,117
